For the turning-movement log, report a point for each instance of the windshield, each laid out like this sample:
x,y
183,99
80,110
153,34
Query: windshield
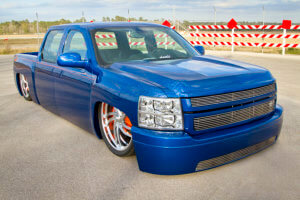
x,y
140,43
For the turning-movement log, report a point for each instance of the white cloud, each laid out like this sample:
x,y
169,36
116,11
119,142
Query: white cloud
x,y
188,9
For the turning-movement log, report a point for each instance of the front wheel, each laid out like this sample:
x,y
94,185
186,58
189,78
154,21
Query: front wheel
x,y
115,129
24,87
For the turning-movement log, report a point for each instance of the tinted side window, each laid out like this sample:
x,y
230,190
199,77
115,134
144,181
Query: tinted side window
x,y
50,50
137,43
75,43
163,40
107,46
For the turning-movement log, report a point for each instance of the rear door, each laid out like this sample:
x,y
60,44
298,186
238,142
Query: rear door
x,y
44,77
73,85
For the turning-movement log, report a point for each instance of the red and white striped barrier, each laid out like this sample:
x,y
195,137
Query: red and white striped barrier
x,y
245,44
253,27
233,25
106,44
165,43
245,35
136,43
104,36
161,35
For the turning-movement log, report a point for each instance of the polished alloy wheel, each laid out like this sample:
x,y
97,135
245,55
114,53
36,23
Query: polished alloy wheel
x,y
24,86
116,128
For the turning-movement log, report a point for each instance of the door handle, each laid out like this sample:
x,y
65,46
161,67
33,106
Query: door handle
x,y
57,72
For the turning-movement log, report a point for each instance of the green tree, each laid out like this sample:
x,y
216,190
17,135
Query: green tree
x,y
119,19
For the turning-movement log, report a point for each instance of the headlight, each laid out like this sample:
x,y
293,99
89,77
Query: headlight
x,y
160,113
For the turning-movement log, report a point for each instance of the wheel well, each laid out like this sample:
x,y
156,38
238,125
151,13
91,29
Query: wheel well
x,y
96,120
18,83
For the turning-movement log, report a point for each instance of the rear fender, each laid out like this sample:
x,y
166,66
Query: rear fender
x,y
25,64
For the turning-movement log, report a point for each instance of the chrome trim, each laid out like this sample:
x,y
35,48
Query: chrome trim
x,y
119,137
233,96
221,160
24,86
227,118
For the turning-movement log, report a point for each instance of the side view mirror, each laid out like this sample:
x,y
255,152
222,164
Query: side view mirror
x,y
71,60
200,49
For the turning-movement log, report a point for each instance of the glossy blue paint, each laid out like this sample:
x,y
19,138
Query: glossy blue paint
x,y
198,76
44,83
200,49
180,154
72,88
71,60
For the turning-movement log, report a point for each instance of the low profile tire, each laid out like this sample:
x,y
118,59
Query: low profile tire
x,y
115,129
24,87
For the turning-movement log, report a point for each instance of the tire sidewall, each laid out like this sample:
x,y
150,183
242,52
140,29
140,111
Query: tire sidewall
x,y
26,98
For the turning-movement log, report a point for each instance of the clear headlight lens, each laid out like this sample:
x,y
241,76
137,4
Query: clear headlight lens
x,y
160,113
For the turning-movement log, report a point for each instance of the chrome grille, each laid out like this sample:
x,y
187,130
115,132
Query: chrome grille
x,y
233,96
227,118
214,162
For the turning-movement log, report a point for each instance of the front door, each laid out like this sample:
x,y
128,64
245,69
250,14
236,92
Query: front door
x,y
73,85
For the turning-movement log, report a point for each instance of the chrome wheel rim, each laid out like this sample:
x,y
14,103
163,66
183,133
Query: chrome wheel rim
x,y
24,86
116,126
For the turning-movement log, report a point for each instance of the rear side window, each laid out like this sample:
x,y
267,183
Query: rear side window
x,y
138,44
50,50
163,40
75,43
107,45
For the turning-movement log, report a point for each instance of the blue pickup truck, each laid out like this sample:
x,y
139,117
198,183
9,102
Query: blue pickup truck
x,y
144,89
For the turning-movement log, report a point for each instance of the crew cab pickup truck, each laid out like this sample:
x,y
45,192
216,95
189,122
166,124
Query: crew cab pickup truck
x,y
143,88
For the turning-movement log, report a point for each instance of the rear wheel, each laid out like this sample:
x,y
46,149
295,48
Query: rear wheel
x,y
115,130
24,87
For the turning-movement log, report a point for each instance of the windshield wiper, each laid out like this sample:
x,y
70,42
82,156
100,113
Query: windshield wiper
x,y
157,59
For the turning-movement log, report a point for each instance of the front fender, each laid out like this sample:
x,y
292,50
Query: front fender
x,y
122,92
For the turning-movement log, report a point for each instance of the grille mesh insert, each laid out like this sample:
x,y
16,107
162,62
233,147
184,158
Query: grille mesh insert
x,y
214,162
233,96
227,118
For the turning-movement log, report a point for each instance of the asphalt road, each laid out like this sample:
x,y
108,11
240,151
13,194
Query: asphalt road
x,y
45,157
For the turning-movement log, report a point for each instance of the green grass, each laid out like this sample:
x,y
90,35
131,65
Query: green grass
x,y
19,41
9,50
292,51
6,46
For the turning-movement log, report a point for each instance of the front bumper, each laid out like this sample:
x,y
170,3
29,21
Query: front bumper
x,y
170,153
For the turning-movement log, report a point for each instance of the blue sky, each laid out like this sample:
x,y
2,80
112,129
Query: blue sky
x,y
251,10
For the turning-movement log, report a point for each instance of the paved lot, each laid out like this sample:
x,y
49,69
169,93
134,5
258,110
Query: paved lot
x,y
45,157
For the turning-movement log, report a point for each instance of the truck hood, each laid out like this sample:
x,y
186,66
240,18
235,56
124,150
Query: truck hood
x,y
197,76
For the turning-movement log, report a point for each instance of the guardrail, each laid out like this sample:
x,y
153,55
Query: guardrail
x,y
234,35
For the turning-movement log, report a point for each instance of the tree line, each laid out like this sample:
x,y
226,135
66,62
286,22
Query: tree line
x,y
30,27
27,27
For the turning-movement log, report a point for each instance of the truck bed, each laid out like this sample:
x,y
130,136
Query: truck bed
x,y
30,53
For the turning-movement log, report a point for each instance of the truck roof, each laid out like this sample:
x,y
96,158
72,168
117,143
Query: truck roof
x,y
94,25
